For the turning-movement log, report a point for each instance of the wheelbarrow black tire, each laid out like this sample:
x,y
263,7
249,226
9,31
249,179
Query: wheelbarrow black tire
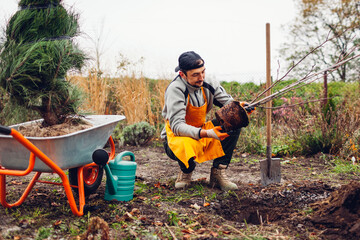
x,y
91,186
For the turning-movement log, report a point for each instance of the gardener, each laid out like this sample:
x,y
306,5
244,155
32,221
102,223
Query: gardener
x,y
188,138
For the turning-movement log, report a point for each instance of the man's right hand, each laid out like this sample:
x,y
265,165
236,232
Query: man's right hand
x,y
216,133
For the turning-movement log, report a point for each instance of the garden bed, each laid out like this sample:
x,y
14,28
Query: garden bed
x,y
310,202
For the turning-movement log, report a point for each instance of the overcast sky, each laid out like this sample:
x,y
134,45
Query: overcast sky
x,y
228,34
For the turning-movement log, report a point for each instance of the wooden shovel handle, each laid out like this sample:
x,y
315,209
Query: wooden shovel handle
x,y
268,84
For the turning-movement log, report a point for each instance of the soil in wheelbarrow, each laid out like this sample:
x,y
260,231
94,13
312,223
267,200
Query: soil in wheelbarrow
x,y
70,125
311,202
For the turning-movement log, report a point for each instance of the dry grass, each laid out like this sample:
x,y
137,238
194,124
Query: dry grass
x,y
134,100
96,90
159,101
139,99
160,88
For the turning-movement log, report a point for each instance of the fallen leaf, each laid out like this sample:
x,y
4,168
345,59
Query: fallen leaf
x,y
201,231
226,232
135,211
192,225
201,179
156,198
214,234
17,237
142,198
244,155
16,182
41,194
54,204
158,205
206,204
157,185
158,223
57,223
189,231
197,207
126,217
186,237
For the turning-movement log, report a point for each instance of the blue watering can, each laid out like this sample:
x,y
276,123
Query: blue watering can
x,y
120,175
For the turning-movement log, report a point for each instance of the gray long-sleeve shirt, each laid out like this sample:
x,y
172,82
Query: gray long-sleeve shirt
x,y
176,100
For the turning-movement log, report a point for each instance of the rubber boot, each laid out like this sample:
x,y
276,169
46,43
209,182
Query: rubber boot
x,y
183,180
218,178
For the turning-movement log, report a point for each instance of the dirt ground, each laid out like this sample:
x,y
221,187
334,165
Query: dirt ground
x,y
311,202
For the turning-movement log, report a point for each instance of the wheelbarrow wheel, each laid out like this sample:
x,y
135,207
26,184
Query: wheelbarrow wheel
x,y
92,178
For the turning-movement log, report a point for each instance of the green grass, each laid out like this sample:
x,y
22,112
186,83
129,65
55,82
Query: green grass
x,y
345,167
43,233
140,188
173,218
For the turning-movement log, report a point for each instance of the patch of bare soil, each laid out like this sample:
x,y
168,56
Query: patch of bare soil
x,y
309,203
339,214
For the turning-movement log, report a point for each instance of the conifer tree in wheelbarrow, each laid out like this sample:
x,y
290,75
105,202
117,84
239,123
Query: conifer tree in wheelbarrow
x,y
34,59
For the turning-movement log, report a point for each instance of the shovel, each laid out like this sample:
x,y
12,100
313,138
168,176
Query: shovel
x,y
269,167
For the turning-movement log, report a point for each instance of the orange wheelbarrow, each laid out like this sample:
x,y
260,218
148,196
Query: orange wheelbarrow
x,y
19,156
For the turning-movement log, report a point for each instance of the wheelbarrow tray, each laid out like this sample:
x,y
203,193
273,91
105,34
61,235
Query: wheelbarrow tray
x,y
66,151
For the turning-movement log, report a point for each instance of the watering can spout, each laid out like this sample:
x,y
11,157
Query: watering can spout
x,y
111,181
101,157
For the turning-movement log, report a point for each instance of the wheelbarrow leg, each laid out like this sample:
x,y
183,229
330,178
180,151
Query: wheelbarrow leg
x,y
69,194
22,198
81,188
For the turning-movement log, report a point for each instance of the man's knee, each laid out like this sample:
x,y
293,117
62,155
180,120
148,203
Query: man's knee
x,y
171,155
191,167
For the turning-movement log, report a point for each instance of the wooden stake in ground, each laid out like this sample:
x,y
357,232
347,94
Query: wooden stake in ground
x,y
269,168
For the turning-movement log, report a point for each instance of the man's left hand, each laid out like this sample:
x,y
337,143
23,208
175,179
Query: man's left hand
x,y
245,105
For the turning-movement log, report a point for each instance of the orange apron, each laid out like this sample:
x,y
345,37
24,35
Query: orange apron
x,y
186,148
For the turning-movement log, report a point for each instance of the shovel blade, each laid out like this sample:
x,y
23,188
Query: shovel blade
x,y
272,175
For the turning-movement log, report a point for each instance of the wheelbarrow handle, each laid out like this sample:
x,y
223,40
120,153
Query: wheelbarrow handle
x,y
5,130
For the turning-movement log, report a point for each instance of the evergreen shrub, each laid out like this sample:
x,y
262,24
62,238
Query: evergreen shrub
x,y
137,134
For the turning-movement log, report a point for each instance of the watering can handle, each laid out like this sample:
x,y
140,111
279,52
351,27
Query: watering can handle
x,y
123,154
5,130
